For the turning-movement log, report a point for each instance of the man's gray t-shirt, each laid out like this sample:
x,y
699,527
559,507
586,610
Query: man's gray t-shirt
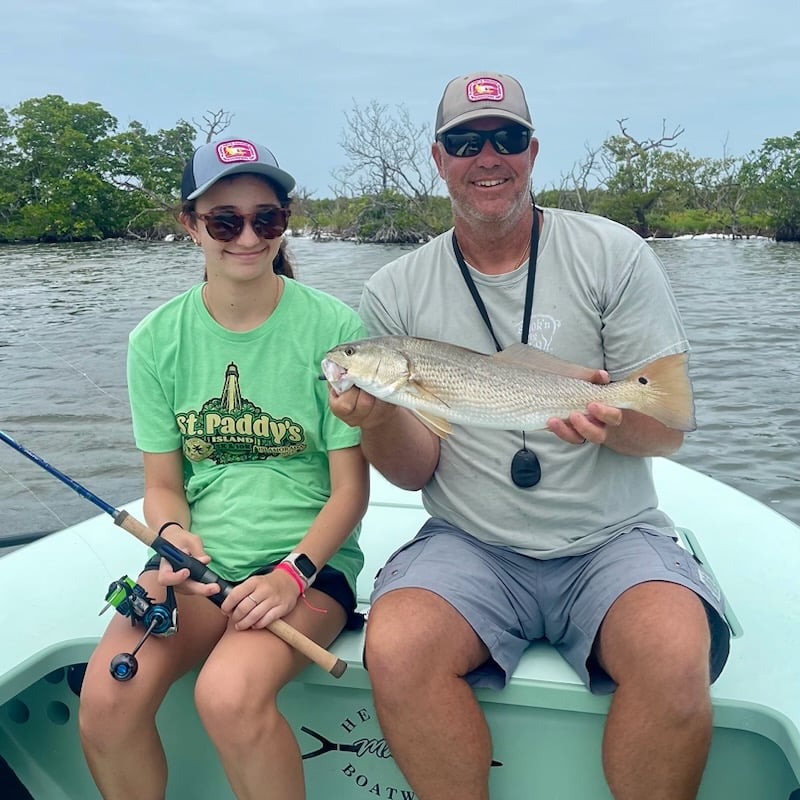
x,y
602,299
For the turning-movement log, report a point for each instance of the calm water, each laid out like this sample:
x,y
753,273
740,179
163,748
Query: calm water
x,y
66,310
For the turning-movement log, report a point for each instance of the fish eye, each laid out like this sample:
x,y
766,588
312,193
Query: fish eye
x,y
349,351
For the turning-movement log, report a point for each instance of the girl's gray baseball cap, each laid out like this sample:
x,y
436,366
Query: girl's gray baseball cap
x,y
482,94
219,159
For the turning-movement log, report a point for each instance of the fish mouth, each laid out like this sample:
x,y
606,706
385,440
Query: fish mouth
x,y
336,375
332,371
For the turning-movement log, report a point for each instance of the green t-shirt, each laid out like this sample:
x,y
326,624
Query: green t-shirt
x,y
252,418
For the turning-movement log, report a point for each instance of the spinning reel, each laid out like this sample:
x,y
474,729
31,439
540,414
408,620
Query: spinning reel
x,y
131,600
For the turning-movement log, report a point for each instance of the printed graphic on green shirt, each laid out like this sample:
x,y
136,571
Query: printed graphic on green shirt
x,y
229,429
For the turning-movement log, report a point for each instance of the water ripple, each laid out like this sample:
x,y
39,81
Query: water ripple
x,y
66,311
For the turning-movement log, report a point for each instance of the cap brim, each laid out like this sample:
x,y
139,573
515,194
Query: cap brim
x,y
480,113
283,179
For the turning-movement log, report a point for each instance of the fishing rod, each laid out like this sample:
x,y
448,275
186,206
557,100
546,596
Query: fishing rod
x,y
180,560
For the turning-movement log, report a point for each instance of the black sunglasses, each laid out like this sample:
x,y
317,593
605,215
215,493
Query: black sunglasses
x,y
224,224
508,141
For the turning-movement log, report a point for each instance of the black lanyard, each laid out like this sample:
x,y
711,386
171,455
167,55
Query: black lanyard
x,y
473,289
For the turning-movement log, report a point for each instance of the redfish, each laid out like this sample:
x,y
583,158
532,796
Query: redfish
x,y
519,388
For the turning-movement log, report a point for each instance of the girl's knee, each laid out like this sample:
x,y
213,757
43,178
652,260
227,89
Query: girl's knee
x,y
232,706
106,717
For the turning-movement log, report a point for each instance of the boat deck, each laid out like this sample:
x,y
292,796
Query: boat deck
x,y
543,723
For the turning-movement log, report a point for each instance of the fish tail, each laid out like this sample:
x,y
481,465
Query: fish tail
x,y
667,391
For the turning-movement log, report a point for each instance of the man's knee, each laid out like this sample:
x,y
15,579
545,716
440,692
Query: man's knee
x,y
394,643
656,632
415,631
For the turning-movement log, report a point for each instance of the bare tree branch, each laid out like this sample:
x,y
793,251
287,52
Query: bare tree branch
x,y
666,140
214,123
153,197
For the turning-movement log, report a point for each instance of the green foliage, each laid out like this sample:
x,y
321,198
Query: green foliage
x,y
690,221
386,217
659,190
67,174
773,176
152,162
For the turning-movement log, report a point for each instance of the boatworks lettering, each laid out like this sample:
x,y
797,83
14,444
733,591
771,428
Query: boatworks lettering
x,y
367,760
375,779
230,428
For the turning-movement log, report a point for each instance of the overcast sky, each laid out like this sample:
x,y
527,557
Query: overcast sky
x,y
727,71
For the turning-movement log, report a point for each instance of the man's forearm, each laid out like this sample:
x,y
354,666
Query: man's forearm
x,y
640,435
402,449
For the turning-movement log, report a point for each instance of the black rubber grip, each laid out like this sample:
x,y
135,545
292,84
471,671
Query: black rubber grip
x,y
197,570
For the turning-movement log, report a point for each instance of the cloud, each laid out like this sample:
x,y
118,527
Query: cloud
x,y
289,74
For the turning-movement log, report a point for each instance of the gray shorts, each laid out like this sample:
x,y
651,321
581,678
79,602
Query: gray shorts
x,y
511,600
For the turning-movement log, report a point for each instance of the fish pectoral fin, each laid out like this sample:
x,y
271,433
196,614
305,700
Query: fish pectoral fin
x,y
523,355
440,426
424,393
396,386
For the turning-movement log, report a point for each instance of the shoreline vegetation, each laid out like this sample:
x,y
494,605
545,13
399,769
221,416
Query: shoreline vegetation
x,y
67,174
324,237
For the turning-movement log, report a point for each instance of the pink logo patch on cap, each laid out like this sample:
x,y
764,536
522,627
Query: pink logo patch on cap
x,y
485,89
236,150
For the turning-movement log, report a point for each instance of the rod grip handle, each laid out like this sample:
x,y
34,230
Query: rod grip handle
x,y
201,573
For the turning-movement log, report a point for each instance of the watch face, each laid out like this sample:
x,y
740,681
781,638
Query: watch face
x,y
305,565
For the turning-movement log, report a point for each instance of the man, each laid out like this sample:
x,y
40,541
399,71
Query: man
x,y
552,534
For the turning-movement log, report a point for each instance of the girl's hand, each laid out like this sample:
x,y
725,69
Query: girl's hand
x,y
192,545
262,599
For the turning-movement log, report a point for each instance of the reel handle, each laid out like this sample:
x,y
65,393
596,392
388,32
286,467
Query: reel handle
x,y
124,665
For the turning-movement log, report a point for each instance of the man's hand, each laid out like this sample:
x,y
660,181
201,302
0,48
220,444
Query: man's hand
x,y
591,425
359,409
624,431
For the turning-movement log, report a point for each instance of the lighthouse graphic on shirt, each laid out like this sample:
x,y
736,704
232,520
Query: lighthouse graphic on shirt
x,y
230,428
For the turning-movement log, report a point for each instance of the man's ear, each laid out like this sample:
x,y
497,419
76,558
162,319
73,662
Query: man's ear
x,y
436,152
534,149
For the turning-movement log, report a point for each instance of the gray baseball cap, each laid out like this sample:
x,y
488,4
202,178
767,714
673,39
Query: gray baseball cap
x,y
218,159
482,94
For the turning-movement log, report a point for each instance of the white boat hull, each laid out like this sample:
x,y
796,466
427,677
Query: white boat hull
x,y
546,728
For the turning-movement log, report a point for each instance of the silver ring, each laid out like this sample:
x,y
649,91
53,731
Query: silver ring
x,y
253,599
